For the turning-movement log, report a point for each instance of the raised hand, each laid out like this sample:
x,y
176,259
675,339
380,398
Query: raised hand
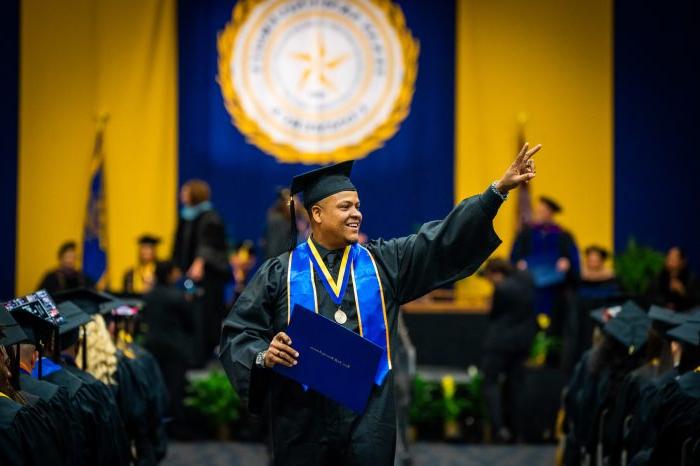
x,y
520,171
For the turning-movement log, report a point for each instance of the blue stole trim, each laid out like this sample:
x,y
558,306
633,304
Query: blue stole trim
x,y
48,366
369,296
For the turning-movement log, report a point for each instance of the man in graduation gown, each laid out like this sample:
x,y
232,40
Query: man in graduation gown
x,y
308,428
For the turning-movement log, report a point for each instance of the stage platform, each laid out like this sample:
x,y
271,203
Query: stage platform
x,y
424,454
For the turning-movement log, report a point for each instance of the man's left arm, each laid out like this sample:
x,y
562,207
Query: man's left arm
x,y
453,248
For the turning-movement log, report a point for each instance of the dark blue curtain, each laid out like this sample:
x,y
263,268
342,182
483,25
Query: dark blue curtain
x,y
9,83
402,185
657,101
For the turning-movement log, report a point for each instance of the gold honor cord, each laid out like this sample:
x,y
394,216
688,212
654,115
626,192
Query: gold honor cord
x,y
335,285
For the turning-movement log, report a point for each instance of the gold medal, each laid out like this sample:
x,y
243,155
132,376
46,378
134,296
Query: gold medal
x,y
340,317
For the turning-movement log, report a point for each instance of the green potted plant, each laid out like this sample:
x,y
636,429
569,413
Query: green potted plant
x,y
637,266
213,396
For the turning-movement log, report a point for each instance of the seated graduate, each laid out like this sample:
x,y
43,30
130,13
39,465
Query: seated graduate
x,y
373,280
67,275
103,437
676,287
628,419
112,368
140,278
39,326
28,437
597,388
678,416
645,384
506,346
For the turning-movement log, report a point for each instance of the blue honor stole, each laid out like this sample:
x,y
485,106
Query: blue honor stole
x,y
357,265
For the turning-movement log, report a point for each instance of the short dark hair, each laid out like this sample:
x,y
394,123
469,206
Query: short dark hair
x,y
599,249
67,246
498,265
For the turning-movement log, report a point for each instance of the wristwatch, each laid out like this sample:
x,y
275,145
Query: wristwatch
x,y
260,359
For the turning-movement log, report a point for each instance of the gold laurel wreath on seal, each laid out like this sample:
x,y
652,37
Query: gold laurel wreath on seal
x,y
287,153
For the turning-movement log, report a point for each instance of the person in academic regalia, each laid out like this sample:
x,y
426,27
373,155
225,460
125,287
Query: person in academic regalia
x,y
140,278
627,425
28,435
678,415
598,288
101,435
596,388
506,346
200,252
53,400
676,287
169,319
113,368
67,275
308,428
549,252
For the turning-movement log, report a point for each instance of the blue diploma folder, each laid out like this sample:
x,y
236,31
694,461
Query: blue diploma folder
x,y
333,360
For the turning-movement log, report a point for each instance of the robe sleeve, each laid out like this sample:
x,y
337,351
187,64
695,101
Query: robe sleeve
x,y
248,330
442,251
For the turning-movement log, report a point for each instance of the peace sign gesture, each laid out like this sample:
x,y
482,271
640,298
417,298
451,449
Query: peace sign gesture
x,y
520,171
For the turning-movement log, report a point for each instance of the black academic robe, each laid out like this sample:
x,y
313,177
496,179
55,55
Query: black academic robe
x,y
642,431
115,448
25,437
308,428
512,324
677,420
205,237
59,280
145,368
131,395
102,442
61,412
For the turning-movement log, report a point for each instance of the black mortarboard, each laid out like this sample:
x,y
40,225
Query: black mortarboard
x,y
10,331
148,239
73,317
630,326
688,331
665,316
88,300
37,314
317,185
551,203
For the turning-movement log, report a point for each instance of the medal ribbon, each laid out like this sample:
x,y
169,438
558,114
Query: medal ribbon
x,y
336,288
357,264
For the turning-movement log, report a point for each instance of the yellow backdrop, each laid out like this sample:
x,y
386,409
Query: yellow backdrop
x,y
551,60
80,58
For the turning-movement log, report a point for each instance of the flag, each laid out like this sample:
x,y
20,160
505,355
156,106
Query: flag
x,y
523,212
95,228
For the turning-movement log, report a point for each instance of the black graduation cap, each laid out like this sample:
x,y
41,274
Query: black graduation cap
x,y
148,239
10,331
317,185
688,331
37,314
551,203
90,301
73,317
630,326
666,316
